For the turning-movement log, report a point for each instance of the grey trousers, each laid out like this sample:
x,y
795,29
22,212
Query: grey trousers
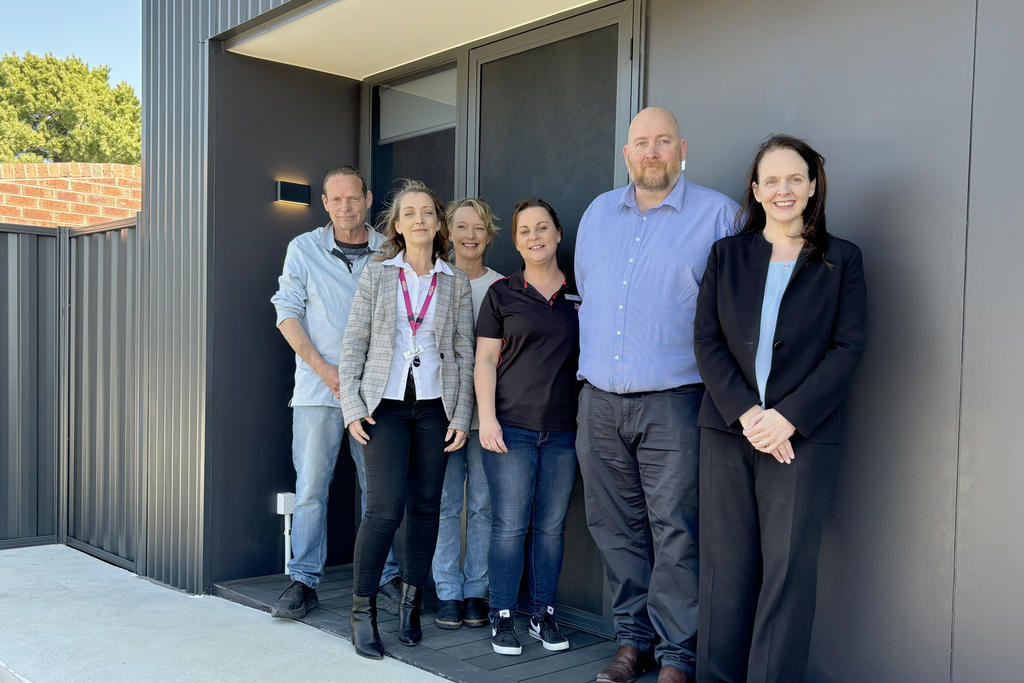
x,y
639,457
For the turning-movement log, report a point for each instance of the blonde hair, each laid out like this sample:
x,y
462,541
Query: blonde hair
x,y
394,243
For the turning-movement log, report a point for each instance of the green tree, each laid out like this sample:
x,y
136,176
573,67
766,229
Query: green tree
x,y
55,109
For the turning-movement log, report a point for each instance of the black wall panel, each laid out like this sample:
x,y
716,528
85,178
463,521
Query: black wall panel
x,y
268,122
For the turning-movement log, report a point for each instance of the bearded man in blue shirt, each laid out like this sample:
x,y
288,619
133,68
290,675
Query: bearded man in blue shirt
x,y
640,256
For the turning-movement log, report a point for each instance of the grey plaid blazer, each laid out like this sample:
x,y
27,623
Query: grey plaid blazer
x,y
369,344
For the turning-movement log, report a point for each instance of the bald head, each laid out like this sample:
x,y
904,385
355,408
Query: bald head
x,y
656,117
654,150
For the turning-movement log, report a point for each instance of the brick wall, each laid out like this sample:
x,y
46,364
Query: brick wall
x,y
69,194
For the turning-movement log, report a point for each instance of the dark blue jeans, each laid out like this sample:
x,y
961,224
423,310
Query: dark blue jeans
x,y
530,489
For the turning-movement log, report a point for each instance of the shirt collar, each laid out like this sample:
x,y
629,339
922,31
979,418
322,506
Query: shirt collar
x,y
518,281
518,278
674,198
374,241
398,261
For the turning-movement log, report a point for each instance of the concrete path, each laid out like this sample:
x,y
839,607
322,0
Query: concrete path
x,y
67,617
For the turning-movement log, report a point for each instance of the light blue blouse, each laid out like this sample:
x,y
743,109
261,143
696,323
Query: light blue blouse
x,y
774,288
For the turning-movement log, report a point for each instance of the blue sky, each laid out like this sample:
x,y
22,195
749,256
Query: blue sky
x,y
106,32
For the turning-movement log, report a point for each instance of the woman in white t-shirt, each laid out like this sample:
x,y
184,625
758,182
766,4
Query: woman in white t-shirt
x,y
462,591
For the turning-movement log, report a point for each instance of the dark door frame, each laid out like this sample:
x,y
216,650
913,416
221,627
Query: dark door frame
x,y
631,14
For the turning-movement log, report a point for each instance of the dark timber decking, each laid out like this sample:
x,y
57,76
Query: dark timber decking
x,y
463,655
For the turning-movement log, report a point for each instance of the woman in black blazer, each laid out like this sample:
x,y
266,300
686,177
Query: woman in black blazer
x,y
779,331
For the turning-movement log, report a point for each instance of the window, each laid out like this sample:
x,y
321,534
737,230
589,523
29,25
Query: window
x,y
414,134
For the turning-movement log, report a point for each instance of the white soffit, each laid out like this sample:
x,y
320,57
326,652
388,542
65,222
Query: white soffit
x,y
359,38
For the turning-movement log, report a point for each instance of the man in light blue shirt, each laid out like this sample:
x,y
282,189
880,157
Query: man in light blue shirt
x,y
320,276
640,256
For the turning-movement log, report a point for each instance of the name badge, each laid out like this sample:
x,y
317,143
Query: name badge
x,y
413,352
573,297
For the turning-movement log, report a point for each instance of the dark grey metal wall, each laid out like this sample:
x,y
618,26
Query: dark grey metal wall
x,y
175,242
990,514
105,437
886,96
28,385
309,125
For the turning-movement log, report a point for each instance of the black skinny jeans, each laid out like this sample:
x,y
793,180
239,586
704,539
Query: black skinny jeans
x,y
405,463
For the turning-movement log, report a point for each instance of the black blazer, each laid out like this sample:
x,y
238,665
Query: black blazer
x,y
819,337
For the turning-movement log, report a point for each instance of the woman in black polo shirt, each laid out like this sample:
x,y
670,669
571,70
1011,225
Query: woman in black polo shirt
x,y
527,353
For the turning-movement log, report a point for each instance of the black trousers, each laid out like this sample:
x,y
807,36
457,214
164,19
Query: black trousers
x,y
638,456
761,524
405,463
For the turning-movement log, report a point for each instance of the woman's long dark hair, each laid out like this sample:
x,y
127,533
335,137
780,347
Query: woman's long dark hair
x,y
751,216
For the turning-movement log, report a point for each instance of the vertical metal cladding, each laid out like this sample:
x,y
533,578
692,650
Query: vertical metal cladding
x,y
28,379
103,476
174,244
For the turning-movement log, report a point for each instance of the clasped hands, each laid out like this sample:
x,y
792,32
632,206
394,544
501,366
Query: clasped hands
x,y
457,437
769,432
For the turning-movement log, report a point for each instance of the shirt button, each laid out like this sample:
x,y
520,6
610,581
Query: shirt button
x,y
625,282
618,331
620,307
616,357
630,260
643,218
637,239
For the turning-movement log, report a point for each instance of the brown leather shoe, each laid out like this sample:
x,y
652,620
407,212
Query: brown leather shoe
x,y
670,674
624,667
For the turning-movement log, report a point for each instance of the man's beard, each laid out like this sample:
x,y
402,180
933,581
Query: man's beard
x,y
662,182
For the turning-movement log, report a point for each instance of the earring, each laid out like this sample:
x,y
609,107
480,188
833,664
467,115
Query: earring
x,y
682,165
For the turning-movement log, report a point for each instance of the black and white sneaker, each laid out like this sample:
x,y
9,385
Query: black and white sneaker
x,y
503,634
544,629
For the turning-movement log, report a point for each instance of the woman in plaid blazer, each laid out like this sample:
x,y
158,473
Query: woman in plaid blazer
x,y
407,394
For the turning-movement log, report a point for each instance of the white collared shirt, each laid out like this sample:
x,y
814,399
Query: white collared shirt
x,y
427,376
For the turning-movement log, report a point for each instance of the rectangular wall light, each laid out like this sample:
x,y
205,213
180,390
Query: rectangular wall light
x,y
292,193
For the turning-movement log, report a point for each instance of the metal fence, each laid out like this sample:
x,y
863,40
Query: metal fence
x,y
28,385
70,408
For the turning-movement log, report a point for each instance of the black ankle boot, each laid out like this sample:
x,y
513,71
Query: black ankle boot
x,y
364,627
409,632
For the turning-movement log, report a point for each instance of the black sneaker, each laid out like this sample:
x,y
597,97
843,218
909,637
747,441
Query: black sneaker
x,y
475,612
389,596
503,634
449,614
295,601
544,629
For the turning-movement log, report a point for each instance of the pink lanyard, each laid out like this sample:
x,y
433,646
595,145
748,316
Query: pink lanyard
x,y
415,323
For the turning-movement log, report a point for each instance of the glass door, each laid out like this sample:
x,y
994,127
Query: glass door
x,y
548,112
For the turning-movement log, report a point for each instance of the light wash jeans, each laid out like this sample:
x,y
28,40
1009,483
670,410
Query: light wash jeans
x,y
317,432
465,473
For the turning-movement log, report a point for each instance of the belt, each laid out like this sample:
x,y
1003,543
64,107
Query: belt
x,y
638,394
